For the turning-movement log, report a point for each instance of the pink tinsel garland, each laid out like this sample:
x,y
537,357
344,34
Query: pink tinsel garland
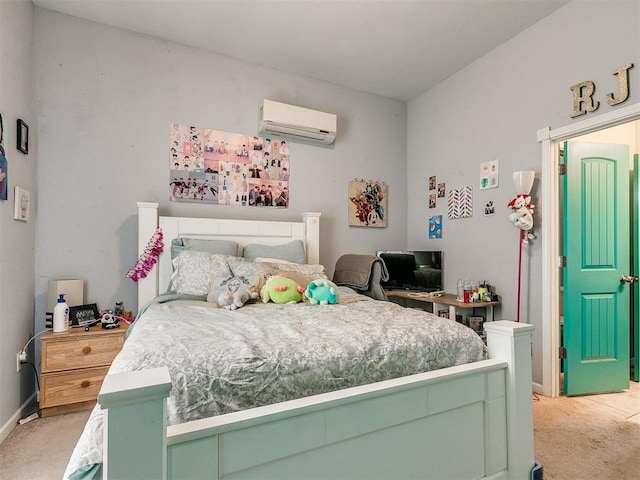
x,y
148,258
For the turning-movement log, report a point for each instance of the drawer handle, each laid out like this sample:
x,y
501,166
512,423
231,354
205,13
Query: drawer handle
x,y
85,383
86,349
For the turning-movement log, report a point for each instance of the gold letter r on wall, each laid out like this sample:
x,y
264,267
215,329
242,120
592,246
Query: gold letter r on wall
x,y
583,101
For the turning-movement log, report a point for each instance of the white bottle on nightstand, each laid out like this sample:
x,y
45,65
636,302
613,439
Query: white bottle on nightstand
x,y
61,316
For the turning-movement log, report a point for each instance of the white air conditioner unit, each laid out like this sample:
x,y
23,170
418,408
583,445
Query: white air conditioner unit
x,y
277,118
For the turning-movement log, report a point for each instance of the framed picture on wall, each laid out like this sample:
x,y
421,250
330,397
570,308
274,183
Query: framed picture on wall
x,y
1,136
23,137
3,163
367,205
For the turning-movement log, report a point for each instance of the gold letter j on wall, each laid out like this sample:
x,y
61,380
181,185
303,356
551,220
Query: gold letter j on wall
x,y
623,81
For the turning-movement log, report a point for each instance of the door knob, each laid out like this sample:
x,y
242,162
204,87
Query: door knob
x,y
628,279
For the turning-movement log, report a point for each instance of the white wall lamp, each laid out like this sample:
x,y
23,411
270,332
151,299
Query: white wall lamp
x,y
522,216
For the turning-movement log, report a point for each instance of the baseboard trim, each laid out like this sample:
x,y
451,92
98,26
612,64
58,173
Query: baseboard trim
x,y
8,427
537,388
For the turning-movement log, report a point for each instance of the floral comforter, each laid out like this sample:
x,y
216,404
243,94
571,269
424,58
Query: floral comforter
x,y
223,361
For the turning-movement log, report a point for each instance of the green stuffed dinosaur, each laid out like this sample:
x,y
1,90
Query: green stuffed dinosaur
x,y
280,289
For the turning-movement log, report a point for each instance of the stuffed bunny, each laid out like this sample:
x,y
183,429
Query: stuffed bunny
x,y
234,300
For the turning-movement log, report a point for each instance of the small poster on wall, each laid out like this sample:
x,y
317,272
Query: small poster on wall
x,y
489,175
222,168
460,202
367,203
435,227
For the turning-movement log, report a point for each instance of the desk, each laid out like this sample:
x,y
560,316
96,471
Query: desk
x,y
446,300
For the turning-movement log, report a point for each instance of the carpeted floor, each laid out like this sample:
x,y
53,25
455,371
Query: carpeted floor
x,y
595,436
40,449
576,438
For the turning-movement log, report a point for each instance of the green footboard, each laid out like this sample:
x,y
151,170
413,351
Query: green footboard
x,y
470,421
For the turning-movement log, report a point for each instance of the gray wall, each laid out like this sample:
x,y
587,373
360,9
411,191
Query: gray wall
x,y
106,98
492,110
16,238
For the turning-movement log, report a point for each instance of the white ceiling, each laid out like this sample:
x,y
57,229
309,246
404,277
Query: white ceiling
x,y
394,48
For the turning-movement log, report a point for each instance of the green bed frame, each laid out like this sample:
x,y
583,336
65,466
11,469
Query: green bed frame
x,y
466,422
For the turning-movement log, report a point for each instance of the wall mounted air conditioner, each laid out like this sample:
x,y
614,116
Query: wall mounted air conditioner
x,y
275,118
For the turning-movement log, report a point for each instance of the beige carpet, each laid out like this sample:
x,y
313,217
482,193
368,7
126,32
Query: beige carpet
x,y
590,437
40,449
593,437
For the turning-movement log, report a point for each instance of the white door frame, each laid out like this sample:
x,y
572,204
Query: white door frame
x,y
551,222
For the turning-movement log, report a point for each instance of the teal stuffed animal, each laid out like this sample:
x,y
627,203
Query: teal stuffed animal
x,y
322,292
280,289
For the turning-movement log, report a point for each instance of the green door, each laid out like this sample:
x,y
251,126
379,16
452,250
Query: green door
x,y
597,303
636,267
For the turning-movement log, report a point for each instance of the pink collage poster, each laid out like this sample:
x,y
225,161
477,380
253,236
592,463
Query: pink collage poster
x,y
221,168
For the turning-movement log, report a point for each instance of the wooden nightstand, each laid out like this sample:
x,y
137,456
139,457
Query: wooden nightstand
x,y
74,364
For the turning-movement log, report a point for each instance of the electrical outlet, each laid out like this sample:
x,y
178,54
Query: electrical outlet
x,y
20,359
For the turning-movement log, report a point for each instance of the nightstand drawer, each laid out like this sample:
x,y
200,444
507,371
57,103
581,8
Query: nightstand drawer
x,y
83,352
71,387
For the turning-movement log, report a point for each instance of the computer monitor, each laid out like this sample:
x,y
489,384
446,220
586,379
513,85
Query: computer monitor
x,y
416,270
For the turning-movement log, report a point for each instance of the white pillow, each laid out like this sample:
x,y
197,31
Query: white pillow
x,y
194,270
313,271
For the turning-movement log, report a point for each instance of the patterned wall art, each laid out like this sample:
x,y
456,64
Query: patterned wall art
x,y
367,203
460,202
3,164
489,175
435,227
221,168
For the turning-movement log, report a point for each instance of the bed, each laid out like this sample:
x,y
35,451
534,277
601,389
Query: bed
x,y
359,389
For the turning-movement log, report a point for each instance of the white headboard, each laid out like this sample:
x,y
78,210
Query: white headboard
x,y
241,231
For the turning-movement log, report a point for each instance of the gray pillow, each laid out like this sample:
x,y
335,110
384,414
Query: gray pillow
x,y
291,252
222,247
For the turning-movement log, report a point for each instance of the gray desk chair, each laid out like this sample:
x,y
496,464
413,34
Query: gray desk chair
x,y
363,273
